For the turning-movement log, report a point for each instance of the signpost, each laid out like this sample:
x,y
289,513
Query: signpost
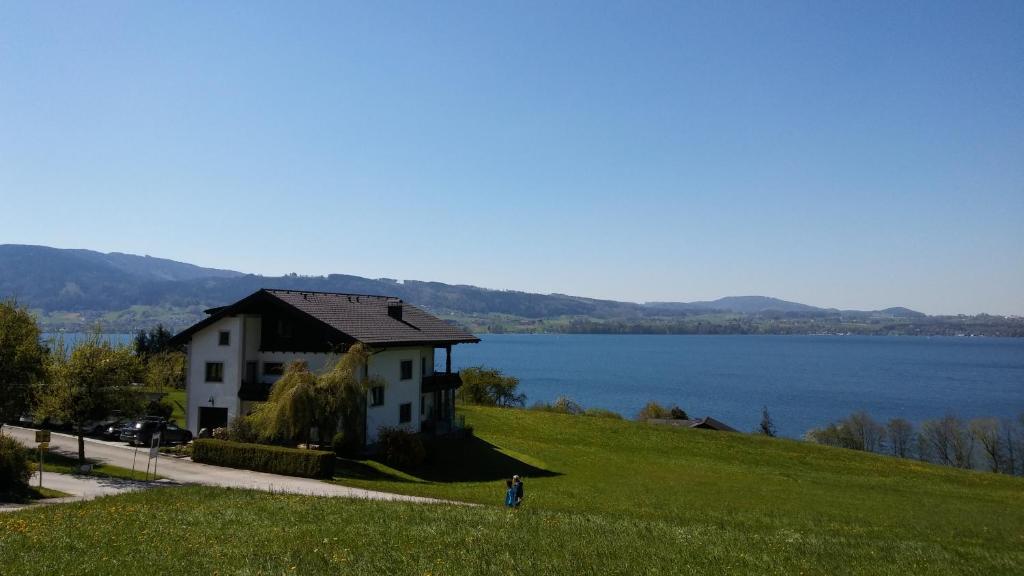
x,y
154,452
43,437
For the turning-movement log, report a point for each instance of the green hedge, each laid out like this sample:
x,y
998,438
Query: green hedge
x,y
263,458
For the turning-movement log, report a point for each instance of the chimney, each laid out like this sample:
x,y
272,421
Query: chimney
x,y
395,310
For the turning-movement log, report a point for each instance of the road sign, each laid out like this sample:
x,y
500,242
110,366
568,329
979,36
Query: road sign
x,y
44,445
42,435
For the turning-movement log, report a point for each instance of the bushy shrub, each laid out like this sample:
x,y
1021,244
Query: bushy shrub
x,y
263,458
653,410
678,413
14,471
346,445
400,448
489,387
561,405
159,408
241,429
221,433
602,413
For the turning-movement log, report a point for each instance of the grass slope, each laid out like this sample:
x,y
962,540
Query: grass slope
x,y
603,497
771,505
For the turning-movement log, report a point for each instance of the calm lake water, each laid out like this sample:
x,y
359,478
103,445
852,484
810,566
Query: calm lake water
x,y
806,381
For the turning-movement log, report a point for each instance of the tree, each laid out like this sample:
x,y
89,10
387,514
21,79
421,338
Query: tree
x,y
946,441
985,431
489,387
302,400
767,426
901,437
343,391
88,384
155,341
864,432
678,413
1010,440
22,360
291,411
165,370
654,411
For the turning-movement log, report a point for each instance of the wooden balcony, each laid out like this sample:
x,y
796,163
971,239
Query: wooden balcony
x,y
441,381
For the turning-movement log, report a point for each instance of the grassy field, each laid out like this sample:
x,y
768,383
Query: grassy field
x,y
178,399
602,497
767,505
191,530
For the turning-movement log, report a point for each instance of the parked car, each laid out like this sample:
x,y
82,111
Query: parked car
x,y
141,432
111,429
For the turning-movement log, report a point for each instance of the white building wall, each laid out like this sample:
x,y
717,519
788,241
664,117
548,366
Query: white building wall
x,y
204,348
387,366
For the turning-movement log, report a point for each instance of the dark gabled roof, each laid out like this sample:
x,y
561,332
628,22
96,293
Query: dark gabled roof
x,y
706,422
359,317
711,423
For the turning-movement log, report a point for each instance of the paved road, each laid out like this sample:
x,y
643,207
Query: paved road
x,y
81,488
187,472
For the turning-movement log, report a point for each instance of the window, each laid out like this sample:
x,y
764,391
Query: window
x,y
224,338
273,368
376,396
214,371
406,369
405,413
284,329
423,366
423,405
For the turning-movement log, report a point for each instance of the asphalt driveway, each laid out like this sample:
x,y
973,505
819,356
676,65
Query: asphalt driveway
x,y
183,471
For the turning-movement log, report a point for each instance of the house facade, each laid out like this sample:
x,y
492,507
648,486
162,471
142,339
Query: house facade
x,y
235,355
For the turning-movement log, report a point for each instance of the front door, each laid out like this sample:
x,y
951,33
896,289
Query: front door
x,y
210,417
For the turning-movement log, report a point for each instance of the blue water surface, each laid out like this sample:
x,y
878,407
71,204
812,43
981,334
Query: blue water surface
x,y
805,381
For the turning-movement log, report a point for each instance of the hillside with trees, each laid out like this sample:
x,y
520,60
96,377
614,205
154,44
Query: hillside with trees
x,y
75,289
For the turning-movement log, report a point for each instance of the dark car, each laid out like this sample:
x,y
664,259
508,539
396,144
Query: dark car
x,y
111,429
141,432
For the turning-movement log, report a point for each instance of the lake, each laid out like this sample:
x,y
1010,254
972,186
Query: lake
x,y
805,381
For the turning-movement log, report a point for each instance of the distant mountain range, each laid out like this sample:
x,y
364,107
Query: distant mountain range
x,y
71,288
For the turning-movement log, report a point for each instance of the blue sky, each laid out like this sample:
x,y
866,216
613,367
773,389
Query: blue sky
x,y
855,154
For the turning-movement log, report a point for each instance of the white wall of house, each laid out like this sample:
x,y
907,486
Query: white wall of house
x,y
387,366
205,347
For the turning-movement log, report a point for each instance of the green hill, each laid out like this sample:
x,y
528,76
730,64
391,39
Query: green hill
x,y
603,496
73,290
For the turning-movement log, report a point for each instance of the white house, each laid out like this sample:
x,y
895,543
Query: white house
x,y
237,353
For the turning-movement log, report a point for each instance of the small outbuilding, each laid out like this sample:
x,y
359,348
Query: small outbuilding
x,y
705,423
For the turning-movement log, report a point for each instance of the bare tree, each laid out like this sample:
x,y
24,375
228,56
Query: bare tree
x,y
858,431
767,425
1013,440
946,441
985,431
901,437
865,433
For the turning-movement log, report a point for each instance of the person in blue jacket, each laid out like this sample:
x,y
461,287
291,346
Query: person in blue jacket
x,y
510,494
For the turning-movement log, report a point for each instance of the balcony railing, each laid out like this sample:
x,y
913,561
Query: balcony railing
x,y
441,381
254,391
